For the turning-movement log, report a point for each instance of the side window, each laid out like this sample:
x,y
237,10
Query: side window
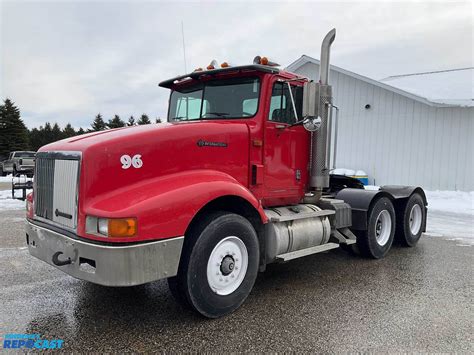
x,y
281,107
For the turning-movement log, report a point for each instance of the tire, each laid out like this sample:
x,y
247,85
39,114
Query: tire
x,y
218,266
377,240
178,292
411,221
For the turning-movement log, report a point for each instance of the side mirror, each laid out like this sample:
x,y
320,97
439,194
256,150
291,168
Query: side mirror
x,y
312,121
312,124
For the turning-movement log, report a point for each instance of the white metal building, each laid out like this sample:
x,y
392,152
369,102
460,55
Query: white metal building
x,y
412,129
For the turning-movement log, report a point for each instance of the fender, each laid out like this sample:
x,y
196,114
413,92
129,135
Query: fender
x,y
404,192
361,201
166,205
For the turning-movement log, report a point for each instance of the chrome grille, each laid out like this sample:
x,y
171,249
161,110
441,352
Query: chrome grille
x,y
44,180
56,186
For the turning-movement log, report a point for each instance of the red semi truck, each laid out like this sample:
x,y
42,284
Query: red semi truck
x,y
238,178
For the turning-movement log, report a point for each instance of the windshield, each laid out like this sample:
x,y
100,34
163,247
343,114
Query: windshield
x,y
216,99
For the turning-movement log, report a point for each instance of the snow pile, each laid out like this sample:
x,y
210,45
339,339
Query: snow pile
x,y
451,201
451,216
348,172
7,178
7,203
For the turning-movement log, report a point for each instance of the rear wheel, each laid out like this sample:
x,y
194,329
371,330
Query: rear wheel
x,y
410,223
377,240
218,266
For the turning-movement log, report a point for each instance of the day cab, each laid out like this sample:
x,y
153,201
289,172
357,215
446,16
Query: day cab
x,y
210,197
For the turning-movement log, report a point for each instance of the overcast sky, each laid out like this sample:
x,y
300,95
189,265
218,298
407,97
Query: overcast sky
x,y
65,61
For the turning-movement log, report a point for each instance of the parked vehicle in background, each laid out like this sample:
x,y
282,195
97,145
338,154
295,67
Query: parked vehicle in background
x,y
19,162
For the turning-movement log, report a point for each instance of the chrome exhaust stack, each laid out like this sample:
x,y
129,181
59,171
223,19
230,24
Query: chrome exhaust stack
x,y
320,140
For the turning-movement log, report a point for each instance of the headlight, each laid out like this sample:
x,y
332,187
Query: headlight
x,y
103,226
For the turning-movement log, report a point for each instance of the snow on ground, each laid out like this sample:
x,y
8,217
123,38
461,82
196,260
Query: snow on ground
x,y
7,203
7,178
451,201
450,215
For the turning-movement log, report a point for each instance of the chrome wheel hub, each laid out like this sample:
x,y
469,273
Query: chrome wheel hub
x,y
227,265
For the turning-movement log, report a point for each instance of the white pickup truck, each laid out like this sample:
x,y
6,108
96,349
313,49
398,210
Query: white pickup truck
x,y
19,162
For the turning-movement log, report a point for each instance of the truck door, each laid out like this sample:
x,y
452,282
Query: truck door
x,y
286,147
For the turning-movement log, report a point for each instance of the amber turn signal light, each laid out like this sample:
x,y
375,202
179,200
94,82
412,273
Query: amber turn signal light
x,y
122,227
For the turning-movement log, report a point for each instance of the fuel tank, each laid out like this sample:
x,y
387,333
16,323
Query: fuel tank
x,y
294,234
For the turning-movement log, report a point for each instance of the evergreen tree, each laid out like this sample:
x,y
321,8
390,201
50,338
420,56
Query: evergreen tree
x,y
80,131
158,120
47,134
143,120
57,134
68,131
36,138
98,124
13,132
131,121
115,122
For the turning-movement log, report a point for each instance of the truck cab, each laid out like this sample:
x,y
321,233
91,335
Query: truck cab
x,y
236,179
272,157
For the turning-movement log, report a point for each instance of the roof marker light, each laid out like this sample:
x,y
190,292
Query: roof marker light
x,y
212,65
264,61
225,65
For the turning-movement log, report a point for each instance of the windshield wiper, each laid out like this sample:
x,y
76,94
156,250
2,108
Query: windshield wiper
x,y
219,114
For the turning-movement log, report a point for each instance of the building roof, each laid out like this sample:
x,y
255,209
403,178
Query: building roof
x,y
455,86
453,95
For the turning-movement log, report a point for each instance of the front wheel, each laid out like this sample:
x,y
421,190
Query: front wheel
x,y
219,265
377,240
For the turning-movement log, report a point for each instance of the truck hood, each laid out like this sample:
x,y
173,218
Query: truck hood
x,y
163,149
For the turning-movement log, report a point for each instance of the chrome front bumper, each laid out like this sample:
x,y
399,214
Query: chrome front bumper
x,y
102,264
